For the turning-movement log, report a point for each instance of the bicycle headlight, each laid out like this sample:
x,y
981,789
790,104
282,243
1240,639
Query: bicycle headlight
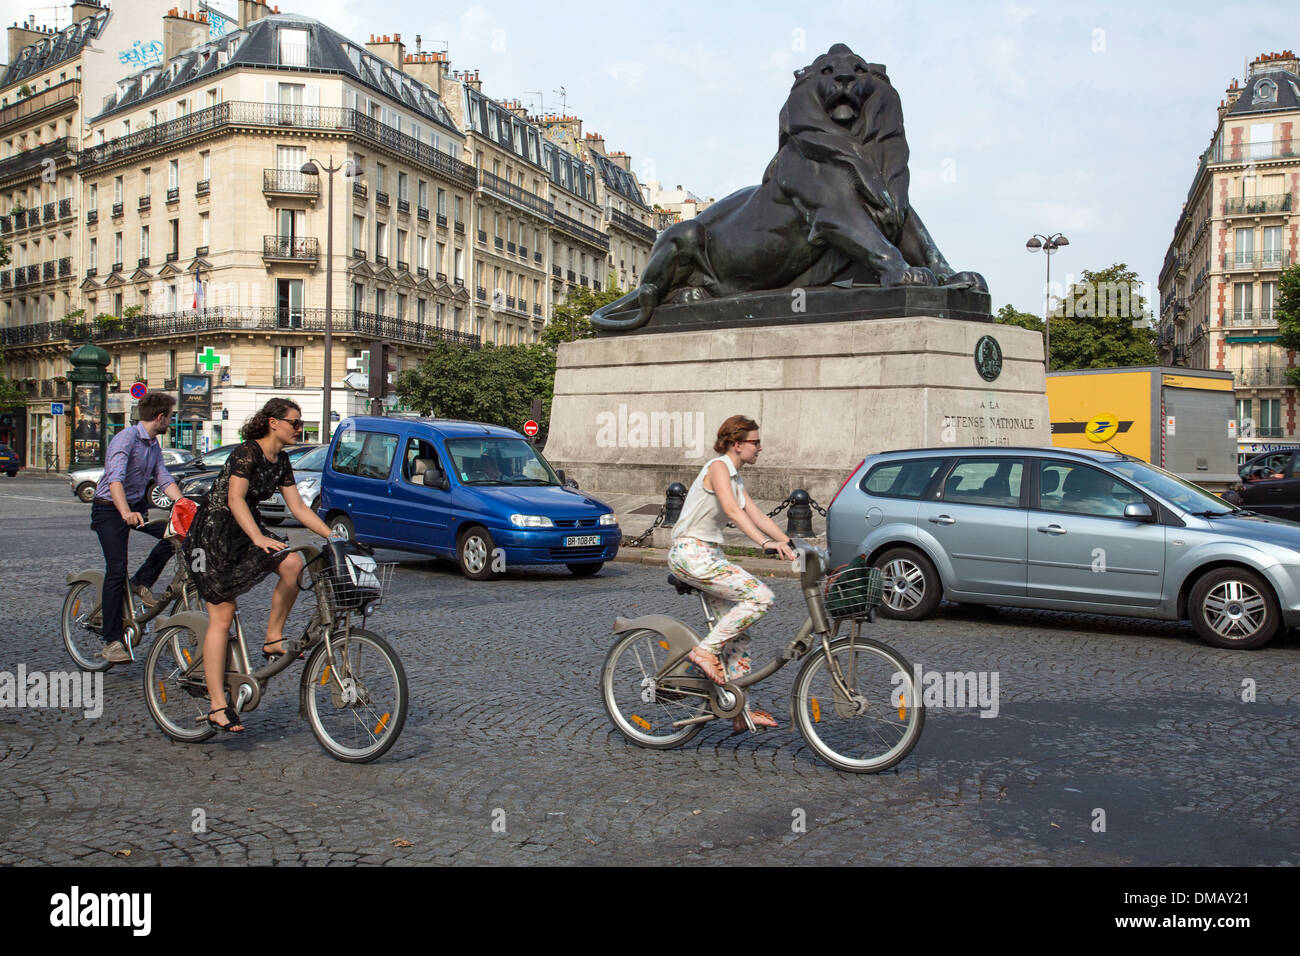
x,y
609,519
531,521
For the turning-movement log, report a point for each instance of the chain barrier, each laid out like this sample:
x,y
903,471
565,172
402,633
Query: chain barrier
x,y
639,540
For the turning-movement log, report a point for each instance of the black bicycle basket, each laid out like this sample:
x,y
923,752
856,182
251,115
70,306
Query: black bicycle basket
x,y
853,590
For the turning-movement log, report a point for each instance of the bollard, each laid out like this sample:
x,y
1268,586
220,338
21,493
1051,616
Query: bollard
x,y
673,501
799,522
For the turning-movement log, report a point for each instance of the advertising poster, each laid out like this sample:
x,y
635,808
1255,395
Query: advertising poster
x,y
88,426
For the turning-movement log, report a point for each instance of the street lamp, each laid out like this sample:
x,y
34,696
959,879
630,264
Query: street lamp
x,y
312,168
1048,244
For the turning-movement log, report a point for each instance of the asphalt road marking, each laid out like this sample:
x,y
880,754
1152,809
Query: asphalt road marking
x,y
33,498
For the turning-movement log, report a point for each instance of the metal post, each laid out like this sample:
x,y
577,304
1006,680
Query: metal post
x,y
1047,316
673,501
798,522
329,306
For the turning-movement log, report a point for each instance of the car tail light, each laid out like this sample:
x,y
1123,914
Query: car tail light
x,y
856,469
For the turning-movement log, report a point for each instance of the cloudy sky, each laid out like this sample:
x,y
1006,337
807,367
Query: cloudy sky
x,y
1076,117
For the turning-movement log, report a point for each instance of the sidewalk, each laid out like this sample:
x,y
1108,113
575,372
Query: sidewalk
x,y
637,512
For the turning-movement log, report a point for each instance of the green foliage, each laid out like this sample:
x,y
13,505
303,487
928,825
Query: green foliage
x,y
1287,311
1094,325
1010,315
494,384
12,395
572,320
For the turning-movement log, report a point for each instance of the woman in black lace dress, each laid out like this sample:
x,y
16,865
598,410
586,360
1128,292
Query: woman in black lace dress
x,y
230,550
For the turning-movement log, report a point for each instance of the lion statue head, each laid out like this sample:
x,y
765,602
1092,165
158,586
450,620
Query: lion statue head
x,y
843,109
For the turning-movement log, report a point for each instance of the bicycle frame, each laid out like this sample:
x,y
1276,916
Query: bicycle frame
x,y
245,685
728,700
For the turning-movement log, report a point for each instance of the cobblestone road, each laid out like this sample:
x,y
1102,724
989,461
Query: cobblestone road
x,y
1139,720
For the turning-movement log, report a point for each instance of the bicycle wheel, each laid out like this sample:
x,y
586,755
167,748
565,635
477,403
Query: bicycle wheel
x,y
174,689
872,728
357,706
642,710
83,644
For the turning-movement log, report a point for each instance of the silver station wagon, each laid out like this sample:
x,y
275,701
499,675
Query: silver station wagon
x,y
1066,530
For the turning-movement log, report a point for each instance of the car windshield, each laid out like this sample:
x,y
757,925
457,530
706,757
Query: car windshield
x,y
499,461
314,460
1177,491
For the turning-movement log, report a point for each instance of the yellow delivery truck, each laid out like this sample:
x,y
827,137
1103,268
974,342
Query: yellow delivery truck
x,y
1180,419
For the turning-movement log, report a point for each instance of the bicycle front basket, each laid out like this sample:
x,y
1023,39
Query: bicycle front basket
x,y
853,590
354,580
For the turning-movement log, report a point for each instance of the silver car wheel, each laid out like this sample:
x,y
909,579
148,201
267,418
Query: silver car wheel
x,y
475,554
904,585
1234,609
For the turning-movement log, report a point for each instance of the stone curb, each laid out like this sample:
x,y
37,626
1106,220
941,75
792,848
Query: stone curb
x,y
759,567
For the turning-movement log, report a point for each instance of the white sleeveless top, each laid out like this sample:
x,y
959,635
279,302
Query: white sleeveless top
x,y
702,516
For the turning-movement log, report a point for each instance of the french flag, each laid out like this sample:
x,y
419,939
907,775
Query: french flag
x,y
198,290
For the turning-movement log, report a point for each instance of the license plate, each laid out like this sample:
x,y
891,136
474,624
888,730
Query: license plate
x,y
275,499
582,541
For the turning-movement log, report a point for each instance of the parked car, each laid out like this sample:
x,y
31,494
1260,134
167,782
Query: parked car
x,y
1068,530
9,463
478,493
274,510
178,461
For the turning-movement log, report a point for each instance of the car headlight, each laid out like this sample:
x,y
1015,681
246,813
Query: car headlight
x,y
609,519
531,521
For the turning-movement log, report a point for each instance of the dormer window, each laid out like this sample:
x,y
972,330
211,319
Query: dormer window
x,y
293,47
1265,93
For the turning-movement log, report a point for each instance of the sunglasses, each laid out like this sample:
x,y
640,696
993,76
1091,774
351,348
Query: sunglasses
x,y
295,422
756,442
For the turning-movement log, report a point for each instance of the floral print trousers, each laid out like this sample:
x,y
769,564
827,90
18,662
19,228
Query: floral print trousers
x,y
703,564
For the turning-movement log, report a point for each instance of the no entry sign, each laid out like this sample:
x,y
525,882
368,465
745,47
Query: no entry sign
x,y
530,428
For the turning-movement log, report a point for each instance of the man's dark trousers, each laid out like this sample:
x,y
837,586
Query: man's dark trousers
x,y
113,532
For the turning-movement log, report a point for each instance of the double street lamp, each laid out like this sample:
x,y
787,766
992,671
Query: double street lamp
x,y
350,170
1048,244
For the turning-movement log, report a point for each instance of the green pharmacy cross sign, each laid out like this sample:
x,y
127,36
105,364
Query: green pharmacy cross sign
x,y
209,359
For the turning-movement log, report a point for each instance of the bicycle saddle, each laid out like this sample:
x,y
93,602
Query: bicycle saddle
x,y
681,586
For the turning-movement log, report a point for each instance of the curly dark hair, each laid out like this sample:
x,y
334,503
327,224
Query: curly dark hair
x,y
260,423
733,431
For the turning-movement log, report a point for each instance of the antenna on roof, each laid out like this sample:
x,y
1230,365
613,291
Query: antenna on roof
x,y
541,102
564,100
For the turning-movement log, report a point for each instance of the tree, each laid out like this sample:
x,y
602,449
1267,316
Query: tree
x,y
1010,315
572,319
11,394
494,384
1102,323
1287,311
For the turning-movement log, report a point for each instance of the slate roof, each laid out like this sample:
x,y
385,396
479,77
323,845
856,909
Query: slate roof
x,y
1272,92
55,48
257,46
619,179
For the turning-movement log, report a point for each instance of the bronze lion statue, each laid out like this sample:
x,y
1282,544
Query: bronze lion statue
x,y
832,206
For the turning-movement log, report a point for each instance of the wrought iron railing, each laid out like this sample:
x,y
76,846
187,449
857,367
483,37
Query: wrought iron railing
x,y
65,208
34,158
303,248
290,182
289,381
510,192
579,230
49,98
1257,205
1256,261
1252,317
628,224
1263,375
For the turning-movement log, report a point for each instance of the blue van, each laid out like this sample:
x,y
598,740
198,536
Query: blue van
x,y
477,493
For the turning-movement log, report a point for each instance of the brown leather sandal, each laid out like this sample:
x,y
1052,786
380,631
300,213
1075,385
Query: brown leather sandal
x,y
709,663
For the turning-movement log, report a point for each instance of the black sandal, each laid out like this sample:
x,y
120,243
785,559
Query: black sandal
x,y
231,716
272,656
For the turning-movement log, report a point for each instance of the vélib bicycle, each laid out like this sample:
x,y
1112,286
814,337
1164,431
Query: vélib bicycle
x,y
854,699
353,689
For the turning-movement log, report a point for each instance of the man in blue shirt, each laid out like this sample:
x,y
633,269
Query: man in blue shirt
x,y
134,459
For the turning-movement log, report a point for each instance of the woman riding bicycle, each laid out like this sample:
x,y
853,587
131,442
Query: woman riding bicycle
x,y
716,497
230,550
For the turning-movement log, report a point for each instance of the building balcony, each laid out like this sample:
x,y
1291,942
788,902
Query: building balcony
x,y
583,233
403,266
440,276
6,225
381,259
144,261
498,242
358,190
291,183
537,310
92,272
537,257
173,194
289,381
117,210
595,286
1263,376
92,217
421,271
458,282
480,293
460,228
515,195
6,280
65,208
1257,205
200,251
65,267
1246,153
358,253
571,275
1273,260
381,198
404,205
202,187
583,280
290,249
173,256
510,248
422,213
523,252
169,384
144,202
621,220
117,267
482,237
33,217
557,272
50,214
1257,317
50,101
35,157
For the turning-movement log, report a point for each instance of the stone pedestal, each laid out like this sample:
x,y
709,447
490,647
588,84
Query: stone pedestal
x,y
634,413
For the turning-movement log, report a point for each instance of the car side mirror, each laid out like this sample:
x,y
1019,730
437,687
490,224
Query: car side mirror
x,y
566,482
1139,512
